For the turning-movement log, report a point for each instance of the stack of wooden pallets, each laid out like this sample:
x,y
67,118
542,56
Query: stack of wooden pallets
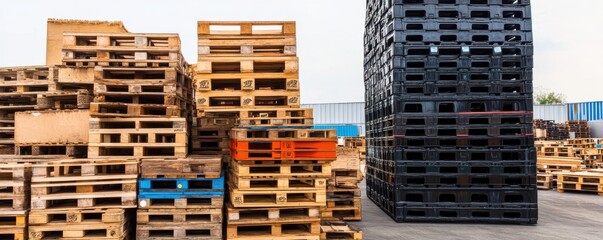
x,y
83,198
343,193
280,174
35,88
246,72
180,198
14,200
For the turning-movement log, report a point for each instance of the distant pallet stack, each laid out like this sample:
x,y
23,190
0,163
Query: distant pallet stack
x,y
278,172
83,198
181,198
343,193
579,128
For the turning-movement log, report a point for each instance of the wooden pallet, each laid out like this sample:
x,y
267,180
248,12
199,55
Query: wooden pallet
x,y
252,215
178,216
134,110
559,163
74,216
318,169
277,198
303,228
13,220
184,202
15,180
334,193
339,230
13,233
101,169
268,99
212,75
191,167
64,100
131,137
216,120
544,181
246,40
73,185
557,151
268,183
189,231
52,150
580,181
9,75
345,178
122,50
344,209
92,231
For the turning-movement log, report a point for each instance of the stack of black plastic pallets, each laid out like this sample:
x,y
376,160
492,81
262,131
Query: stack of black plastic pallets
x,y
449,110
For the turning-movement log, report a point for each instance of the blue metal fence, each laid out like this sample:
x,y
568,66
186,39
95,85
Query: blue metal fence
x,y
345,130
590,111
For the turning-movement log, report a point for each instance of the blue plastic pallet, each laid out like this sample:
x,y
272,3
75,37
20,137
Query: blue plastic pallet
x,y
181,185
178,195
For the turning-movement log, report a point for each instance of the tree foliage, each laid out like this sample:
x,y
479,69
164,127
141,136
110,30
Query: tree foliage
x,y
549,97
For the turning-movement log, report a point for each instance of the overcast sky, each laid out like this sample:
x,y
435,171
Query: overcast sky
x,y
568,37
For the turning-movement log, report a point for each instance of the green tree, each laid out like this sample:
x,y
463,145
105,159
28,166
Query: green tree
x,y
549,97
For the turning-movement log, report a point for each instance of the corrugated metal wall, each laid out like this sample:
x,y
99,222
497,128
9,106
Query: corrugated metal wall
x,y
339,113
590,111
556,112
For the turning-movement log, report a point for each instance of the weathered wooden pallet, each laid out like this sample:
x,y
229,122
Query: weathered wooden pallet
x,y
15,179
160,217
345,209
74,216
72,189
138,151
122,49
544,181
337,229
179,201
277,198
318,169
13,233
227,121
193,166
218,76
52,149
10,75
220,145
104,169
345,178
13,219
305,228
232,99
64,100
334,193
275,214
93,231
192,231
279,134
134,110
246,39
269,183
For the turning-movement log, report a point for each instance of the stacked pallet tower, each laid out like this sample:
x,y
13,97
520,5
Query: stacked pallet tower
x,y
247,101
245,78
343,193
449,110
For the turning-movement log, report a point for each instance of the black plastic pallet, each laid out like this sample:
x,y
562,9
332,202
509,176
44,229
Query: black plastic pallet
x,y
456,63
444,11
510,215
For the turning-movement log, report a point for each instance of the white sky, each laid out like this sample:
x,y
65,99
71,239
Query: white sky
x,y
568,37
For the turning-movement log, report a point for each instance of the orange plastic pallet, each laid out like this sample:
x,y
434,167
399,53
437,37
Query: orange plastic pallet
x,y
268,155
283,145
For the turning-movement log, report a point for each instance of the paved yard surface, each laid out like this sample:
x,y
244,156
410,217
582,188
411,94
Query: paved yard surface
x,y
561,216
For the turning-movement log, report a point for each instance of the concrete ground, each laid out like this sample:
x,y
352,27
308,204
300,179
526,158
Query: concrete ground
x,y
562,216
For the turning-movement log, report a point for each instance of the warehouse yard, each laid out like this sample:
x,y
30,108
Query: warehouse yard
x,y
561,216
